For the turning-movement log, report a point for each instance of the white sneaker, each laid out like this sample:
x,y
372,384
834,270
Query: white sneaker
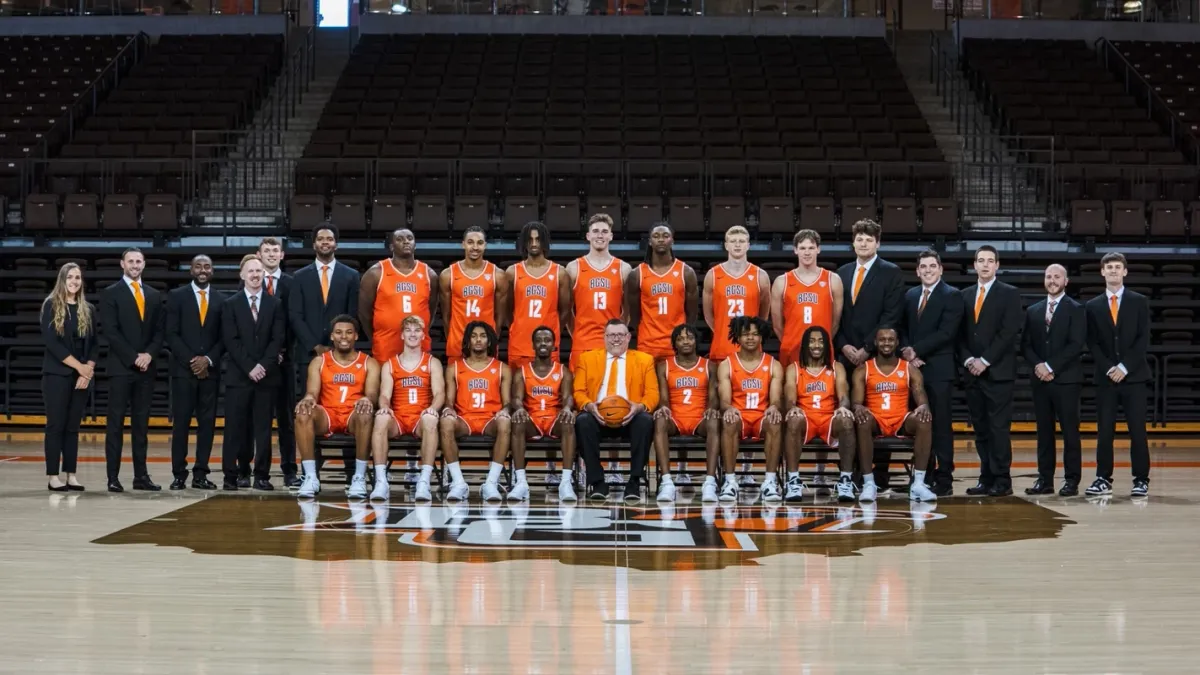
x,y
869,492
382,491
770,490
747,478
845,489
421,492
490,492
708,491
458,492
310,488
358,488
666,491
519,492
920,493
566,492
794,490
729,491
554,477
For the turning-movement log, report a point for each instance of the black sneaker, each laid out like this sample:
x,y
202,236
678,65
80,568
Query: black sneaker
x,y
1100,486
1141,487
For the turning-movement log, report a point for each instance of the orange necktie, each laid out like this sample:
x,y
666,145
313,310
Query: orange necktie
x,y
858,279
139,299
203,306
1112,308
979,301
612,379
325,283
271,285
924,299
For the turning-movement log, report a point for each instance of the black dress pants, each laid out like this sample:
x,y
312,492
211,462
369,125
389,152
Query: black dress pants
x,y
1057,403
64,411
130,393
193,397
639,432
283,408
247,413
1132,398
941,460
990,405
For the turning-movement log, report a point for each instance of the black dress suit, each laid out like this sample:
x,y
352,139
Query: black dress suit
x,y
310,314
993,338
188,338
285,393
1126,344
933,333
1059,345
880,302
129,333
64,403
248,404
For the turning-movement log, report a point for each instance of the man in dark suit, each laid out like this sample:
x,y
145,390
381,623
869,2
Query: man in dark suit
x,y
278,284
194,336
873,293
1118,337
932,315
252,328
1052,342
132,322
987,349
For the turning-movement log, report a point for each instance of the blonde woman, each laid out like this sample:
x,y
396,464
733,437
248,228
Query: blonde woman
x,y
69,331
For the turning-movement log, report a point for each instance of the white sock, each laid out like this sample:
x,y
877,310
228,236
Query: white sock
x,y
455,473
566,475
520,475
793,474
666,478
768,476
494,470
846,474
310,467
381,473
868,479
918,478
360,468
427,472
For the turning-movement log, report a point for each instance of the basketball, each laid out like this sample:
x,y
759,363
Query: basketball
x,y
612,410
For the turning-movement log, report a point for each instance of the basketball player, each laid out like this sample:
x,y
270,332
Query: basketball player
x,y
881,389
412,390
816,395
732,289
471,290
688,407
542,397
342,384
750,386
479,386
395,288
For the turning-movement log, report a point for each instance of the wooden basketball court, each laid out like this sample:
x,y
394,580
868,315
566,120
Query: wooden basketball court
x,y
258,582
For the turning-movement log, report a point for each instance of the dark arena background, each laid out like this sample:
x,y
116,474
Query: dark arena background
x,y
992,151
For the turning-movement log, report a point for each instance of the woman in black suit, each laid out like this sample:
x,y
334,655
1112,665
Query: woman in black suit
x,y
69,330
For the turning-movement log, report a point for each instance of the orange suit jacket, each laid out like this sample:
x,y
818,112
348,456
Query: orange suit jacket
x,y
641,382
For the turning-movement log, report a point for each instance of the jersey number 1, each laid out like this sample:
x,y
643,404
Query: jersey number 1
x,y
662,306
752,400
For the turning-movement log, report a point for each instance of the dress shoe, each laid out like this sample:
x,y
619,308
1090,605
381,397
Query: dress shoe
x,y
1069,489
979,490
229,485
115,486
633,490
144,483
179,484
291,480
1000,490
262,484
1041,487
74,487
60,488
598,490
243,481
202,483
943,489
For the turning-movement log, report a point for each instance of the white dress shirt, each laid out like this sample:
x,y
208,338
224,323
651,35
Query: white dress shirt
x,y
129,284
865,266
1056,300
1119,294
275,276
619,389
250,297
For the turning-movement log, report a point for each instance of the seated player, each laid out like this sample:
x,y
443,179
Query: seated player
x,y
342,383
817,398
412,390
688,406
750,385
881,390
542,397
479,386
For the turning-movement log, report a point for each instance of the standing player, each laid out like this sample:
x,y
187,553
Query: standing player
x,y
688,385
541,294
660,295
881,389
817,398
750,386
479,386
342,384
471,290
393,289
411,392
542,397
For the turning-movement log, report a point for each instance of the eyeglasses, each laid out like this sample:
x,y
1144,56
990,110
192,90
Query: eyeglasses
x,y
617,337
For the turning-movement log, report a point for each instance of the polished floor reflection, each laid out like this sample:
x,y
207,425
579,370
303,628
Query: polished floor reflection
x,y
201,583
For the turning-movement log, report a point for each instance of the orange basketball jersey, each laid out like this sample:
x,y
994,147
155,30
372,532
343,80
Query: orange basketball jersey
x,y
662,309
398,297
805,305
342,385
817,393
751,386
412,390
732,296
687,388
887,395
477,392
535,303
471,299
598,296
543,395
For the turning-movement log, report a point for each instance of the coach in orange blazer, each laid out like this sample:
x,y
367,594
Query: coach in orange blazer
x,y
598,375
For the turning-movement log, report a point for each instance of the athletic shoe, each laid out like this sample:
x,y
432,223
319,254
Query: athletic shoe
x,y
519,492
310,488
683,478
554,477
794,490
708,491
490,492
821,483
770,490
919,492
666,491
869,492
612,477
729,491
458,492
421,492
1141,487
1100,486
358,488
845,489
747,478
566,492
382,491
